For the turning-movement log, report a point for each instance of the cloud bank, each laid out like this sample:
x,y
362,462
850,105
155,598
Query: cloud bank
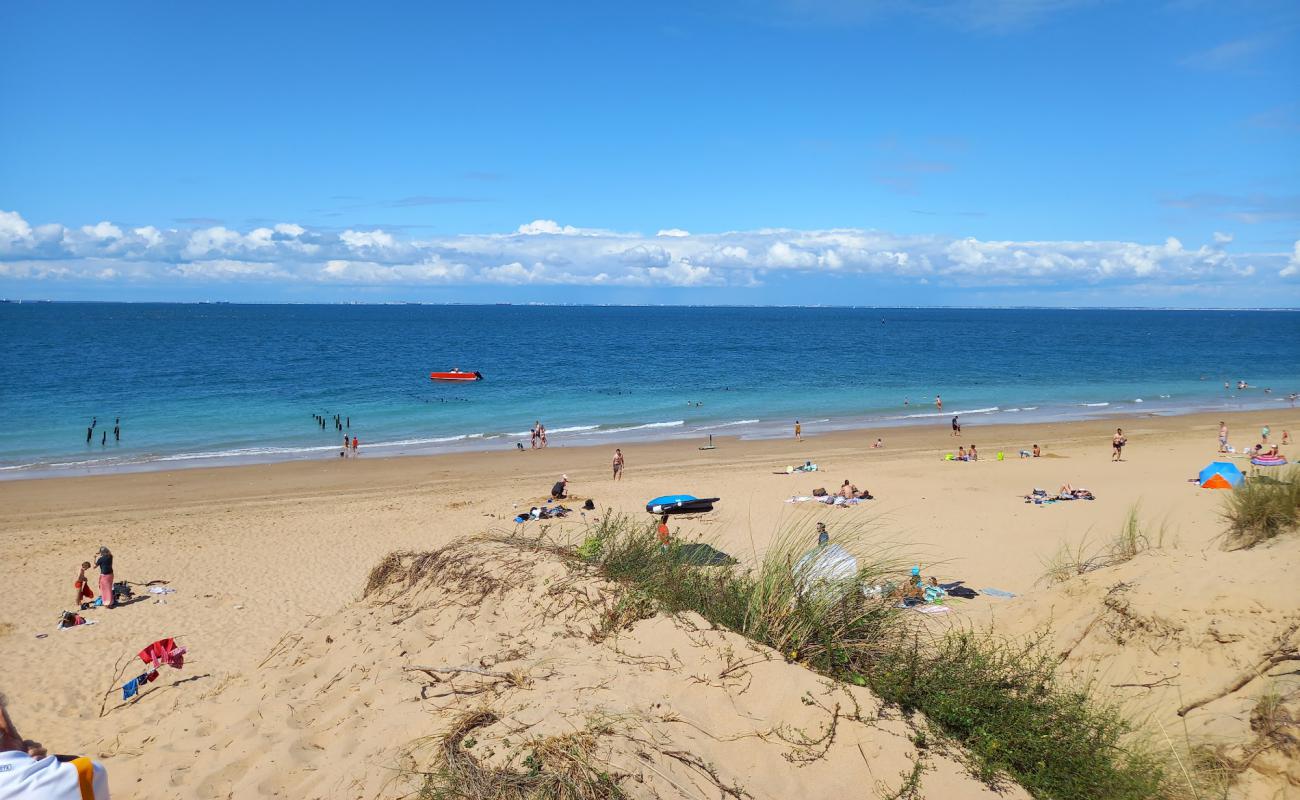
x,y
544,252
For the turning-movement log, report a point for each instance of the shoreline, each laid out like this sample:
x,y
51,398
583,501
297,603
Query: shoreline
x,y
374,472
655,432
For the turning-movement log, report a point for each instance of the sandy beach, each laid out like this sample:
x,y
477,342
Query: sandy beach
x,y
276,556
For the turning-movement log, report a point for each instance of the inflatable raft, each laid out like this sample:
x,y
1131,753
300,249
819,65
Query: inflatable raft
x,y
1268,461
680,504
455,375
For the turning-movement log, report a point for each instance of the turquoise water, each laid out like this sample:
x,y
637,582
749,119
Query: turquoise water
x,y
209,384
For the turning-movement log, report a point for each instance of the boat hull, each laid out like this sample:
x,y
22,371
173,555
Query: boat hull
x,y
455,377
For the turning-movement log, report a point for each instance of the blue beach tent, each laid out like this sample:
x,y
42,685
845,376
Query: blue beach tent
x,y
1220,475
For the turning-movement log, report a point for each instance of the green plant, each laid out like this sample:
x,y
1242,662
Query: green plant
x,y
1262,507
1131,539
1003,701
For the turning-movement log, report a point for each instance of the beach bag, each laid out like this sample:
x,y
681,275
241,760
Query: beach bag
x,y
819,492
590,505
122,590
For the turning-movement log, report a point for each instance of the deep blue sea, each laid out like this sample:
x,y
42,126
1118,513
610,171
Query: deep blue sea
x,y
208,384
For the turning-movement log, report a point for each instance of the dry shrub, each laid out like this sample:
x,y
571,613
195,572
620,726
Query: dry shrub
x,y
551,768
469,570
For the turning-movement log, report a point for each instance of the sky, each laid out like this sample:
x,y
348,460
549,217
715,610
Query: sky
x,y
881,152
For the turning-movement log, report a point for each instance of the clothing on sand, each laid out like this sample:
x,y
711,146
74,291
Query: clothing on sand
x,y
25,778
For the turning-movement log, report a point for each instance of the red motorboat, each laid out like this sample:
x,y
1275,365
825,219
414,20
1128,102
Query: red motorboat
x,y
455,375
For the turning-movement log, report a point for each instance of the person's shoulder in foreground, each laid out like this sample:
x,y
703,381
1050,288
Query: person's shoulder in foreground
x,y
28,773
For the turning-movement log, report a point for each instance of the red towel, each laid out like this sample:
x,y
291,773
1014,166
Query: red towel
x,y
164,651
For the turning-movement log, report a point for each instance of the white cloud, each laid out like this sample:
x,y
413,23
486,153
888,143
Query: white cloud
x,y
544,252
360,239
550,226
673,233
102,230
13,228
1222,238
1293,263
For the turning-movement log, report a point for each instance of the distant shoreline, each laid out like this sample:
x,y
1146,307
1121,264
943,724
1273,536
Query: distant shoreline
x,y
977,431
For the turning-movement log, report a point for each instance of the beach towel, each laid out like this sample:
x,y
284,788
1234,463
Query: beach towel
x,y
164,651
161,590
932,609
997,593
131,689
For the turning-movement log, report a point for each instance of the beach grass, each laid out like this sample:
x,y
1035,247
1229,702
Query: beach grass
x,y
1003,701
1261,508
542,768
1131,539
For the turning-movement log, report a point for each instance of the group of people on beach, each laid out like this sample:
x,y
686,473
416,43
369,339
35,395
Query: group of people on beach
x,y
538,435
341,422
104,563
103,440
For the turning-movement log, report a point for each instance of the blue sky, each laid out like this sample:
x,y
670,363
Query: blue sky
x,y
940,152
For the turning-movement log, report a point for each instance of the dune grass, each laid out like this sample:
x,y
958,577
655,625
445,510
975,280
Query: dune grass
x,y
1005,703
551,768
1131,539
1262,507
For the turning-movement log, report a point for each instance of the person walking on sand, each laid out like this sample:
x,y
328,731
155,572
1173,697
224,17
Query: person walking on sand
x,y
1117,443
104,560
956,426
618,464
798,431
541,432
1223,436
1263,434
533,434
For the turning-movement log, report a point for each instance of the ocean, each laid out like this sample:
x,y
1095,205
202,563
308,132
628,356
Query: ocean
x,y
205,384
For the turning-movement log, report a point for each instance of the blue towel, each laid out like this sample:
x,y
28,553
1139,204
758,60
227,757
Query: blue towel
x,y
996,593
131,689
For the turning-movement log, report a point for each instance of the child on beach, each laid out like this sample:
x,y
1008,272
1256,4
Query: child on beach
x,y
82,586
823,538
663,532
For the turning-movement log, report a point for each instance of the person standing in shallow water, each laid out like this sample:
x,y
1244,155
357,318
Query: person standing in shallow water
x,y
103,440
938,402
798,431
89,433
